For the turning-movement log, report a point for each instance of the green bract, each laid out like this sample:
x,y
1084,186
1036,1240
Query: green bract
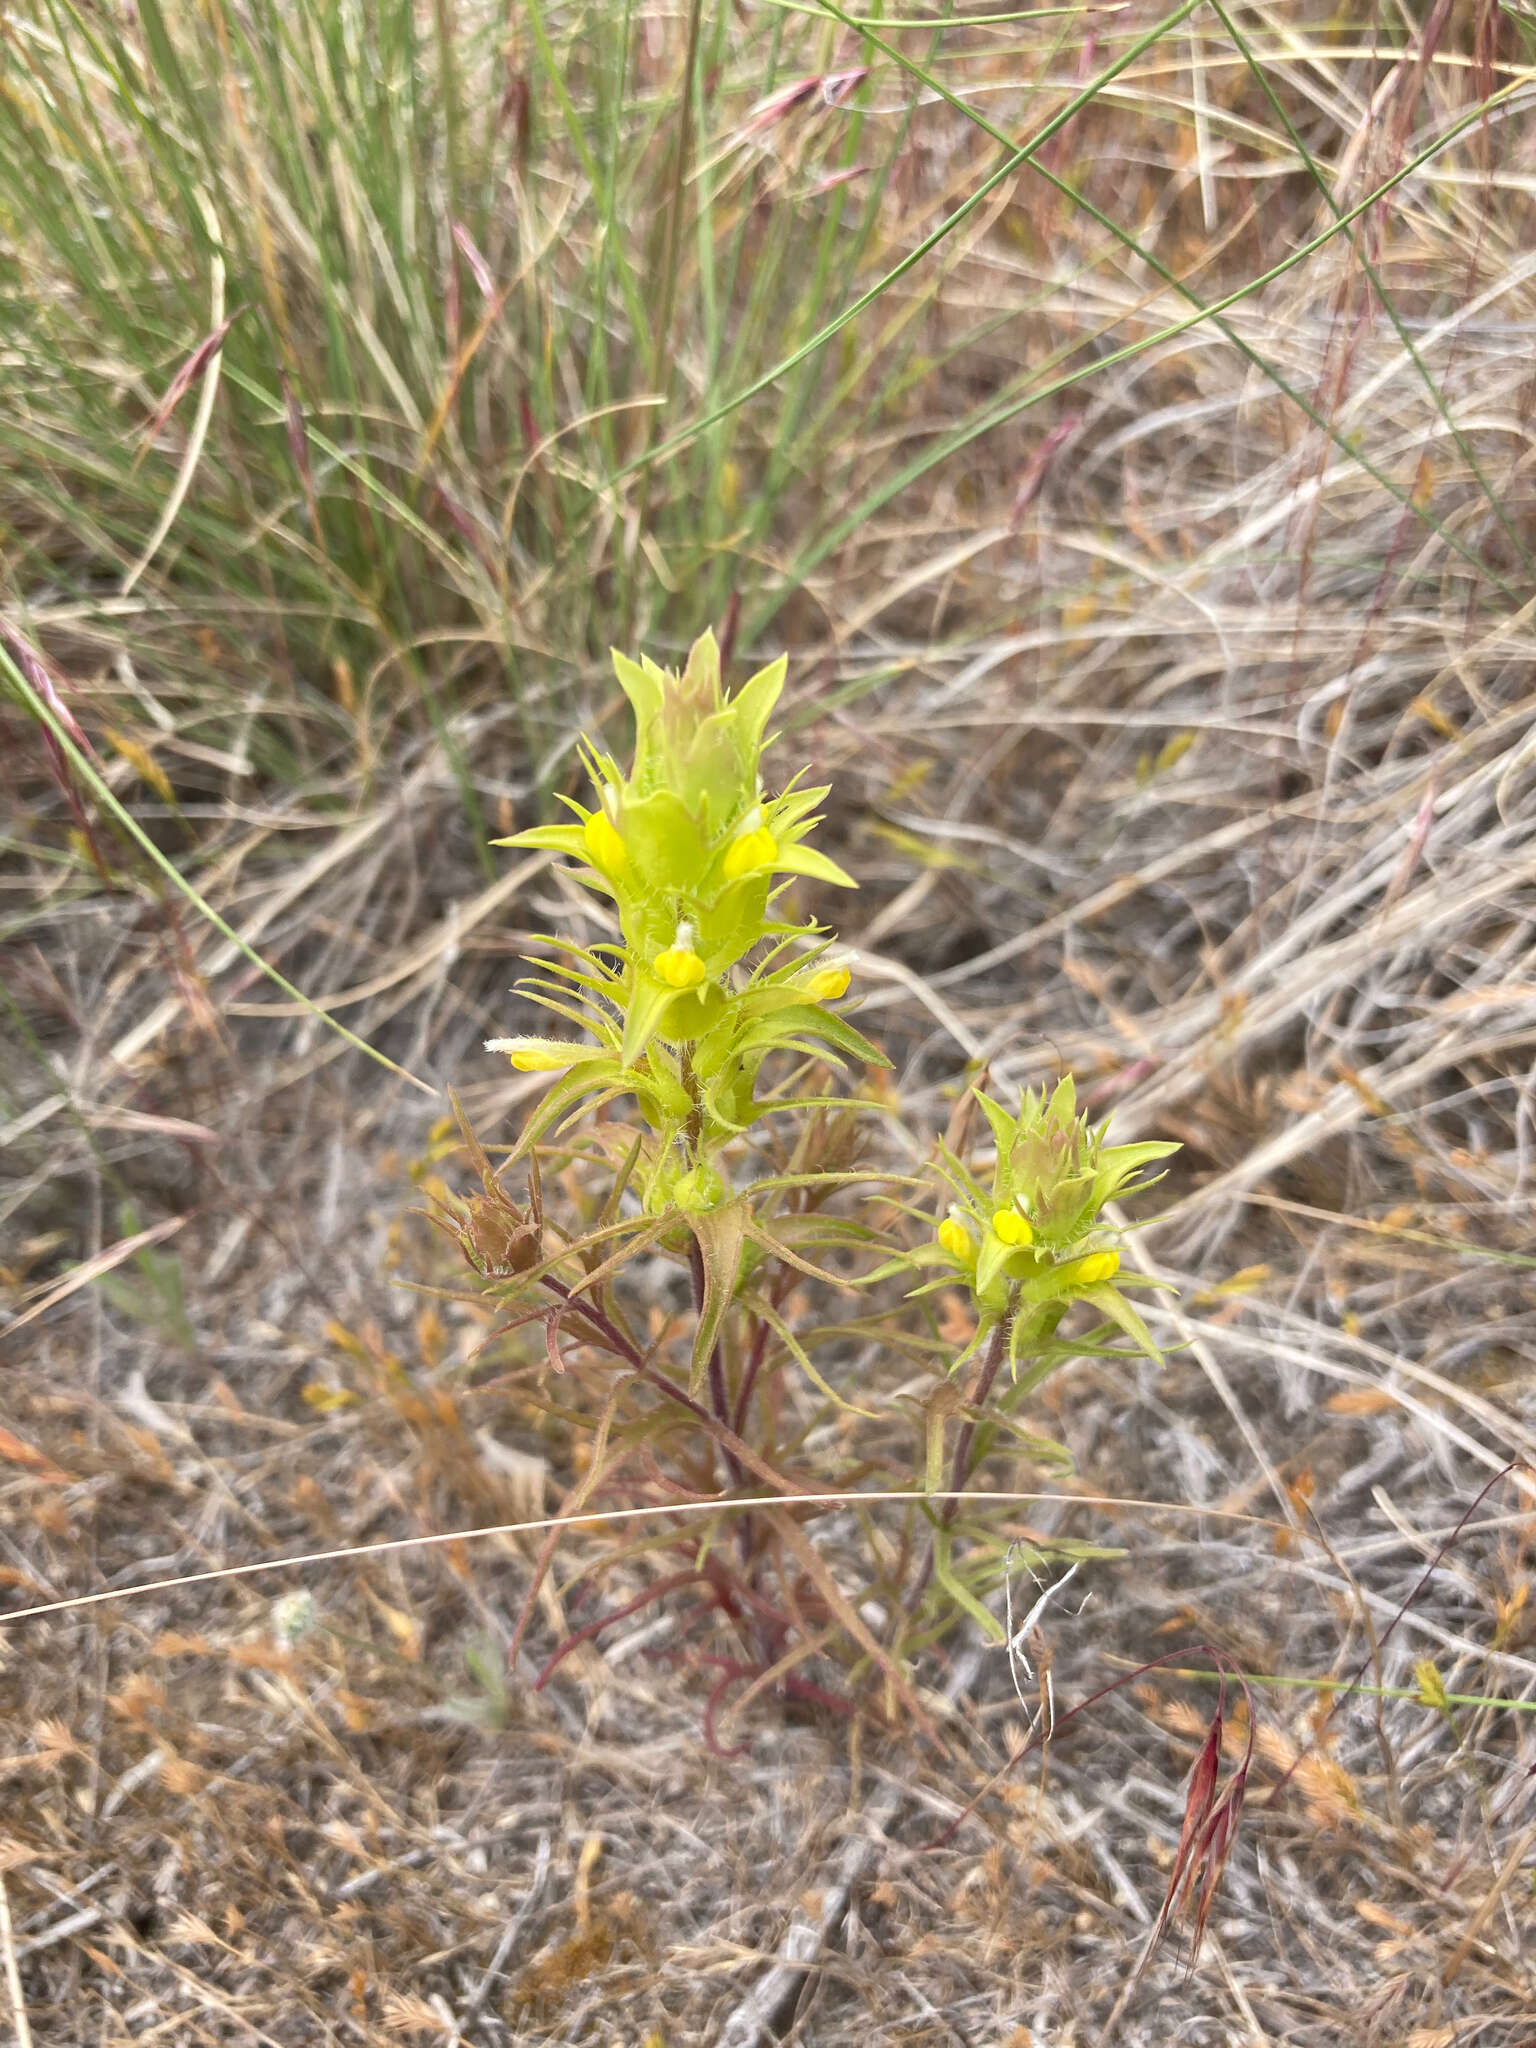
x,y
693,854
1033,1242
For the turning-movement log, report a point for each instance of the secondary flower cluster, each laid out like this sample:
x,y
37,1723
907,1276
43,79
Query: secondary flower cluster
x,y
692,853
1033,1242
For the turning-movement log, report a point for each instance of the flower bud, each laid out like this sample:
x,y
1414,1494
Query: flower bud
x,y
698,1190
827,984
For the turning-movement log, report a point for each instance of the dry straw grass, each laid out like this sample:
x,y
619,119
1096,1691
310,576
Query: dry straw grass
x,y
1180,721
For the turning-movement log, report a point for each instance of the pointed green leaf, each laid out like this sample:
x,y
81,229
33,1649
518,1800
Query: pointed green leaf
x,y
770,1315
585,1019
791,806
820,1023
1045,1448
649,1002
754,701
982,1331
991,1261
1005,1128
721,1234
1137,1155
1114,1304
1062,1108
556,838
960,1593
701,672
644,687
583,1081
806,860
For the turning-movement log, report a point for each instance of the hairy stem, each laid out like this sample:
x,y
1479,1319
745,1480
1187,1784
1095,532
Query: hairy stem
x,y
693,1130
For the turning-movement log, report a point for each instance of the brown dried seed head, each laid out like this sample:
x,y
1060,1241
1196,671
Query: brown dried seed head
x,y
497,1237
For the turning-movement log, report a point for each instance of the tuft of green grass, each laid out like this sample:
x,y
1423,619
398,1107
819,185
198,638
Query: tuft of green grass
x,y
374,368
338,345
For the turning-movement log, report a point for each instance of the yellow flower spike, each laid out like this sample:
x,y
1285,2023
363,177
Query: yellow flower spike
x,y
827,984
1013,1228
1093,1269
679,967
955,1238
749,852
604,845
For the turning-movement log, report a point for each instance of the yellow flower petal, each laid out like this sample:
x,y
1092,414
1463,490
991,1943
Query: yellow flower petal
x,y
753,850
1096,1267
955,1238
679,967
1013,1228
604,845
827,984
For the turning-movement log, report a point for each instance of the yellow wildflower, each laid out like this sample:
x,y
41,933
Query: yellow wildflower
x,y
955,1238
749,851
679,967
1096,1267
1013,1228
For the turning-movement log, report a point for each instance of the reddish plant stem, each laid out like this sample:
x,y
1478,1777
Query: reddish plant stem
x,y
617,1342
960,1471
719,1400
720,1432
585,1634
693,1139
608,1332
960,1468
791,1684
756,1355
